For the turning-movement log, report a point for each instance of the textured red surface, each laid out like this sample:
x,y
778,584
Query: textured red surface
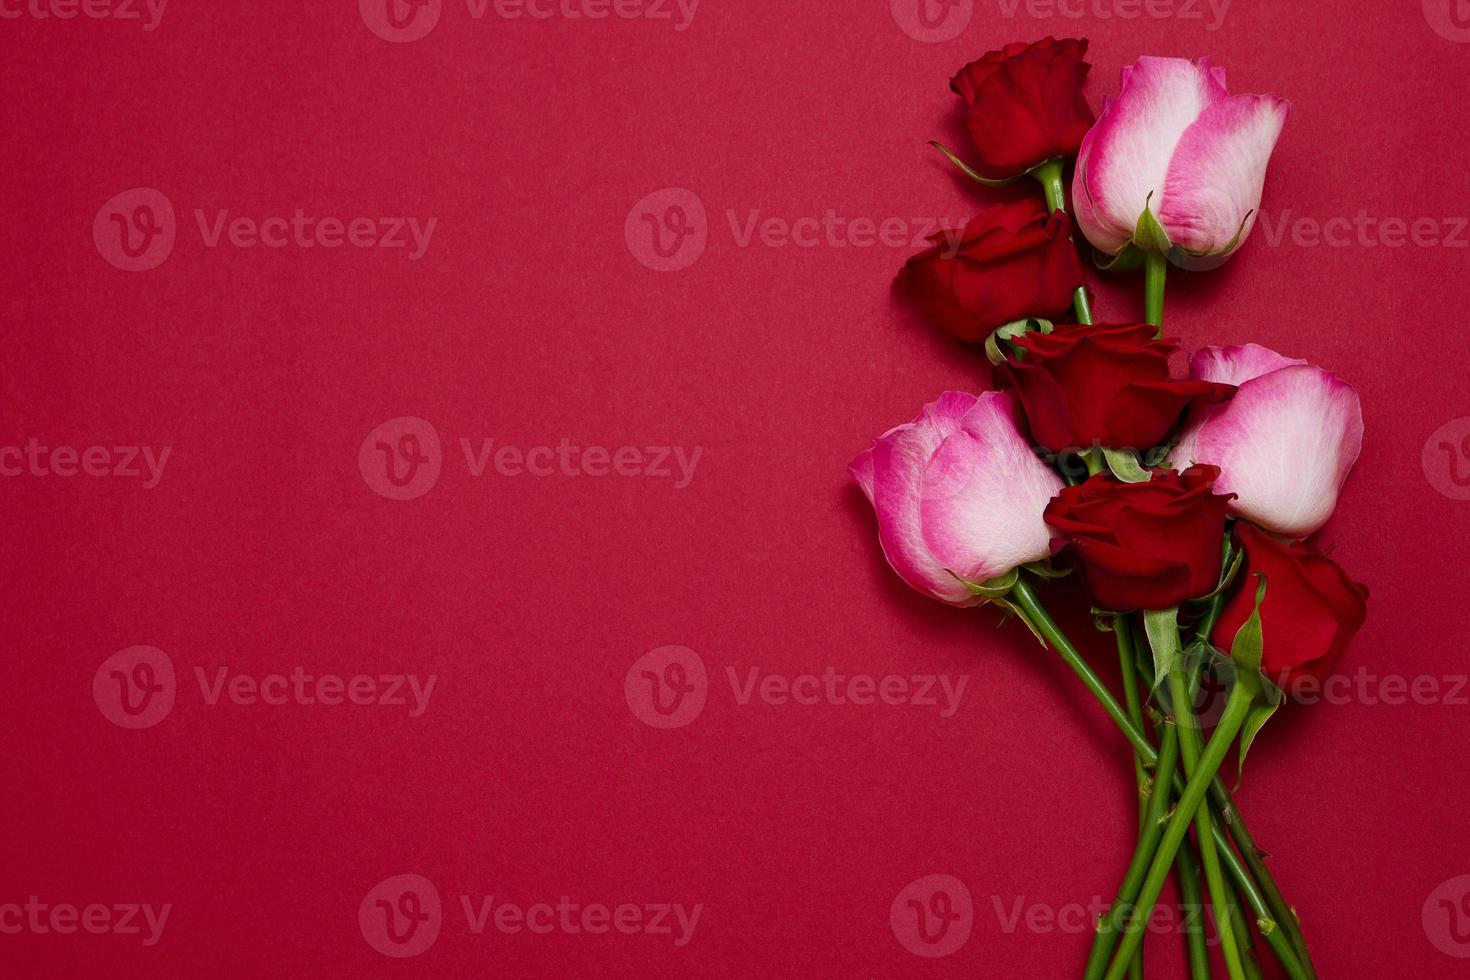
x,y
529,320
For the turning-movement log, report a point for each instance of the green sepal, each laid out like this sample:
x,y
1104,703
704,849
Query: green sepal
x,y
996,588
1020,614
1162,627
1125,466
1125,261
1010,331
987,181
1245,649
1228,247
1228,575
1045,569
1148,234
1256,720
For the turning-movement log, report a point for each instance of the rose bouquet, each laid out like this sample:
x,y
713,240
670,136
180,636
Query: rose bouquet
x,y
1184,503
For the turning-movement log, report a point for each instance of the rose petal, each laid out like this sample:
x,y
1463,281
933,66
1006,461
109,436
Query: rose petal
x,y
984,494
898,459
1213,188
1284,445
1125,157
1237,365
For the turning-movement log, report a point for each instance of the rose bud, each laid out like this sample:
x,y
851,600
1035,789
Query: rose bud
x,y
1176,143
959,495
1026,104
1145,545
1310,612
1284,444
1011,262
1098,385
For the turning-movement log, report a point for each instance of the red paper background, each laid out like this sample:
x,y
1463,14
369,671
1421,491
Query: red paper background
x,y
529,320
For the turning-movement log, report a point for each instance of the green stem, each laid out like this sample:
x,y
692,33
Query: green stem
x,y
1237,707
1155,269
1192,897
1281,913
1158,811
1248,957
1189,744
1029,605
1129,672
1050,176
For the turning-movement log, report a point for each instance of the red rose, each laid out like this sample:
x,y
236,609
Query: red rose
x,y
1144,545
1311,609
1011,262
1026,104
1097,385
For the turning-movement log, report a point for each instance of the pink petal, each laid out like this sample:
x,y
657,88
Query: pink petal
x,y
861,469
1213,188
898,459
1284,444
1237,365
984,494
1125,157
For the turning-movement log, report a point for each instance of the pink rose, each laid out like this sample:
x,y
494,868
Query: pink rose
x,y
959,495
1284,444
1176,142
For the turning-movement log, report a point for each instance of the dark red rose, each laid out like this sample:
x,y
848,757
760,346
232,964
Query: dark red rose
x,y
1311,610
1092,385
1026,104
1144,545
1010,262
